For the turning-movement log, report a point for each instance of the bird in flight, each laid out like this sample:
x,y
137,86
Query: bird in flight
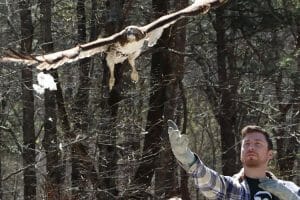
x,y
124,45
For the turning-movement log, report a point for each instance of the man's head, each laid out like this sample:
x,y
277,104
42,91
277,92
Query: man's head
x,y
256,147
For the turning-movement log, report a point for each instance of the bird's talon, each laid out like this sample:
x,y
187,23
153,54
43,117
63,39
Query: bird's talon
x,y
111,83
134,76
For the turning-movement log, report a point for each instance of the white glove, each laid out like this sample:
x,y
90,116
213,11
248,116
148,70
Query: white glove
x,y
278,189
179,145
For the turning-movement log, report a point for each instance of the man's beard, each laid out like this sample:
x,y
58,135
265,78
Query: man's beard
x,y
252,163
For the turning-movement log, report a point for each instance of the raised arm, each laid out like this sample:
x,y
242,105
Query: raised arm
x,y
210,183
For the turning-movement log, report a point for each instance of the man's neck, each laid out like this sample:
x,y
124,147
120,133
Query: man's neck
x,y
255,172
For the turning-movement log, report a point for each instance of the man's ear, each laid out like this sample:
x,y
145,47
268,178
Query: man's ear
x,y
270,154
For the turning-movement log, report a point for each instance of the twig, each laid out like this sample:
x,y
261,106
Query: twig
x,y
9,130
16,172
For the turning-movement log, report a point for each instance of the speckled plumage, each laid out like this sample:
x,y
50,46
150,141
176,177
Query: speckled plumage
x,y
127,44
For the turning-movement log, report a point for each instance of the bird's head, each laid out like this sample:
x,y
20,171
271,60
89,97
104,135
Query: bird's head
x,y
133,33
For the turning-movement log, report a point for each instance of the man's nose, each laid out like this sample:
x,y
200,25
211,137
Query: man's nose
x,y
251,147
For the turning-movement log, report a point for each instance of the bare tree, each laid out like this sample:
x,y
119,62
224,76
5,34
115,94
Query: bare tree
x,y
54,176
81,165
114,22
2,108
166,76
28,105
166,180
286,130
240,65
222,93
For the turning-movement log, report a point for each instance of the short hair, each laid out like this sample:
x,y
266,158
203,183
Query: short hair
x,y
253,128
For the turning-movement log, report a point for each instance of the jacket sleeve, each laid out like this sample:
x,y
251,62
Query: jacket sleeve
x,y
212,185
292,186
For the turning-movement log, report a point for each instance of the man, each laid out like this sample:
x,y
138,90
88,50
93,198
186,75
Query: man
x,y
253,182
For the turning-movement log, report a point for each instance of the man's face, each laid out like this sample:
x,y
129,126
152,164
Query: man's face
x,y
254,151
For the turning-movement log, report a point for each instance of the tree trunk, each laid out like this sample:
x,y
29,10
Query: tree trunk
x,y
173,70
226,113
294,147
154,128
286,144
1,193
28,153
180,43
54,177
286,136
80,164
155,123
293,143
28,135
2,108
108,161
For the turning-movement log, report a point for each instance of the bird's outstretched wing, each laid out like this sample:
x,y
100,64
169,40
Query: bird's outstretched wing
x,y
198,7
154,29
122,43
54,60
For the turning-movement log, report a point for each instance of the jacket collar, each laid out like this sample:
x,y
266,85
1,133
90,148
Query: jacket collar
x,y
240,176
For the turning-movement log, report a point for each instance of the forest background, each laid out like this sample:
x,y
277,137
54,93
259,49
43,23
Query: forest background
x,y
213,74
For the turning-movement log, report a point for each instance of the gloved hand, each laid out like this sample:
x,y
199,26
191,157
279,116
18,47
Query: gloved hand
x,y
179,145
278,189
